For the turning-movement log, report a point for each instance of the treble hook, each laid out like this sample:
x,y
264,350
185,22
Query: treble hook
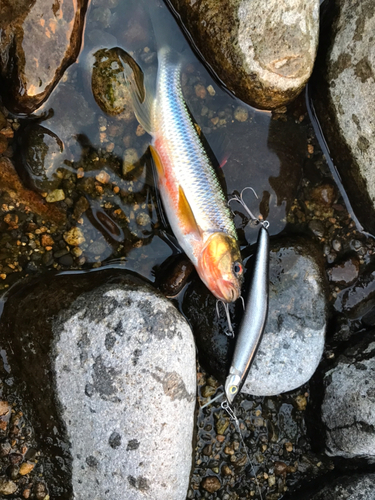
x,y
230,332
241,201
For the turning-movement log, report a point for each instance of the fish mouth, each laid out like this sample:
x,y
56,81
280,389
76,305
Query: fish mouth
x,y
228,291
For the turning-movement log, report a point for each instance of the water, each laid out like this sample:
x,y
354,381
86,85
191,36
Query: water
x,y
81,139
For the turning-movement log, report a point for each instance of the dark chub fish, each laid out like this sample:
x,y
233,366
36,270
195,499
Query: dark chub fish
x,y
254,319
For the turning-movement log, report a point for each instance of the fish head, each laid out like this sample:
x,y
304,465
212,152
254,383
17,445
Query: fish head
x,y
232,385
220,267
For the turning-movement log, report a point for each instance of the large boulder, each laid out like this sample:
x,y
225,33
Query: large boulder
x,y
353,487
348,410
293,341
263,51
108,371
344,87
39,40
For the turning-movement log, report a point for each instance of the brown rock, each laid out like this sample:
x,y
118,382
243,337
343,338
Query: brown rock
x,y
263,51
211,484
25,468
4,408
46,240
3,144
10,182
39,41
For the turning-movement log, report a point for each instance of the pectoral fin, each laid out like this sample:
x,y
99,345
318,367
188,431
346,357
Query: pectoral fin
x,y
141,88
186,215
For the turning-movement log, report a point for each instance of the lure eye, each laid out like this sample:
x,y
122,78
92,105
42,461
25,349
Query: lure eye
x,y
233,389
237,268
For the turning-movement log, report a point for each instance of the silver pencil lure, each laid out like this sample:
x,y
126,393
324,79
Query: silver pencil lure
x,y
254,319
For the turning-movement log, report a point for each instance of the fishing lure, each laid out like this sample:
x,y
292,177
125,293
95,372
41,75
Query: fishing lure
x,y
254,319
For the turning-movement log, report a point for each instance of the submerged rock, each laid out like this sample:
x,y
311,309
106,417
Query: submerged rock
x,y
344,87
11,183
108,366
109,86
263,51
293,341
40,154
348,410
39,41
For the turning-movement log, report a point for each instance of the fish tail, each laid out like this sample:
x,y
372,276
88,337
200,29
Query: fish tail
x,y
168,36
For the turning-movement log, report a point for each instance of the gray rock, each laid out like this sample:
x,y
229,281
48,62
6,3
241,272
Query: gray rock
x,y
356,487
263,51
293,341
348,409
133,390
344,100
110,372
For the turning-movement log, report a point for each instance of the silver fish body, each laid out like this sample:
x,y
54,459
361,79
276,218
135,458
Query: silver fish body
x,y
192,197
254,320
179,146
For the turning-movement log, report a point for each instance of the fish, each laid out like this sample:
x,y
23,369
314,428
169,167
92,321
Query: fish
x,y
193,199
254,319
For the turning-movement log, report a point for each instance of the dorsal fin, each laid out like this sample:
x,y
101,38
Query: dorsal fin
x,y
186,215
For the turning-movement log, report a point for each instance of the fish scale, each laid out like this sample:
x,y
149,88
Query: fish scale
x,y
192,167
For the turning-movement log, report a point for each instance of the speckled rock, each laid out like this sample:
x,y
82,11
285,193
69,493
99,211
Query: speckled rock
x,y
110,372
293,341
355,487
344,100
108,84
263,51
39,41
348,409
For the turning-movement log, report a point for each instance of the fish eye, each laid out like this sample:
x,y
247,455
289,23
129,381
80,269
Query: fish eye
x,y
233,389
237,268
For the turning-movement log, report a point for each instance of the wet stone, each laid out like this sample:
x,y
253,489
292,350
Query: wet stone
x,y
293,342
7,487
343,93
345,273
263,51
348,405
211,484
108,84
39,41
133,359
354,487
40,154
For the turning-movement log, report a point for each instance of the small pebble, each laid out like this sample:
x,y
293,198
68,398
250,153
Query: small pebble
x,y
25,468
143,219
103,177
211,484
241,114
200,91
7,487
55,195
211,90
74,237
